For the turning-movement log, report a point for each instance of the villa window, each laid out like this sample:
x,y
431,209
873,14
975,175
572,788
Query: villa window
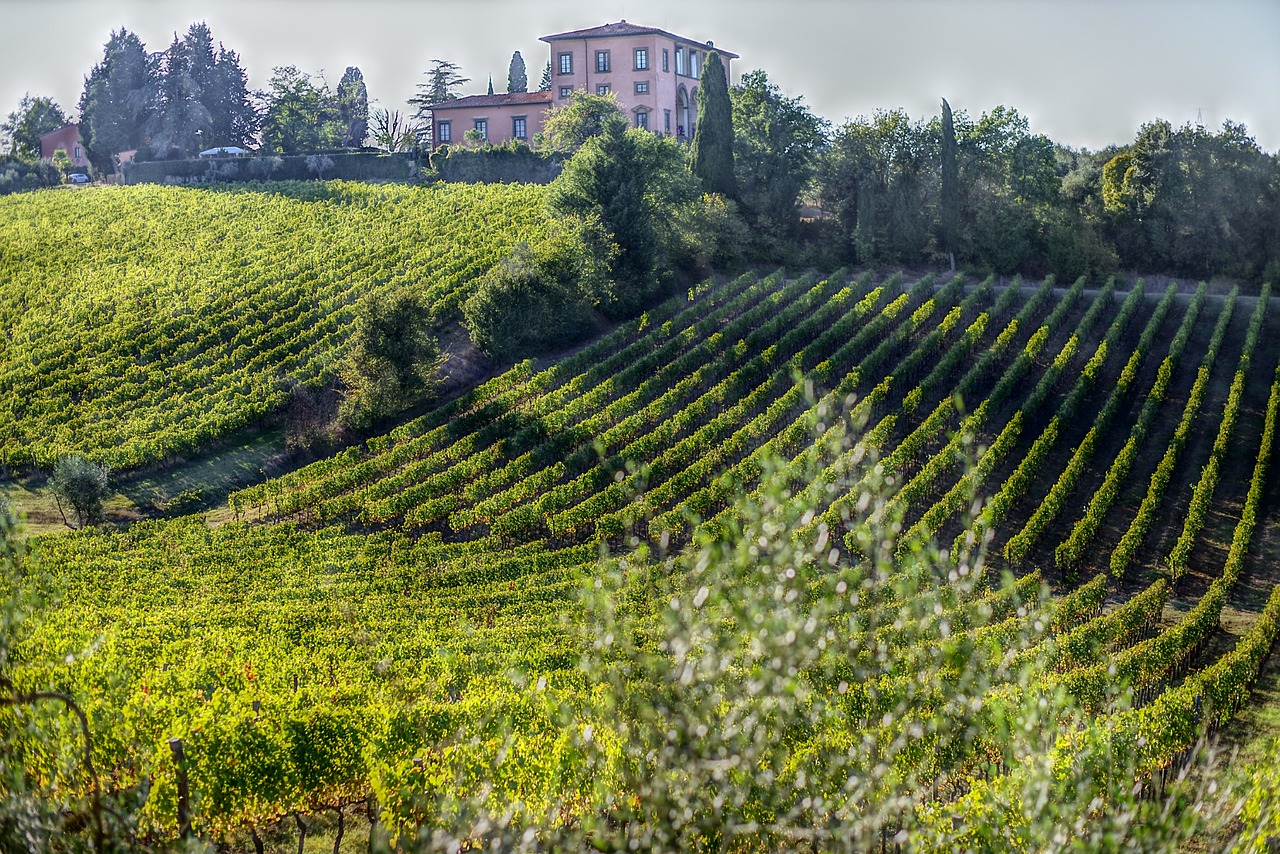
x,y
566,63
446,131
679,60
482,127
602,89
602,61
666,59
642,119
518,127
642,59
566,91
642,87
666,121
693,63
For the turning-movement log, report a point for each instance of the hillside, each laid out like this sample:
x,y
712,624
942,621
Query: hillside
x,y
142,323
371,623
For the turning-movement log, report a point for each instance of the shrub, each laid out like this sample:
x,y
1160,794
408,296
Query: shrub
x,y
535,301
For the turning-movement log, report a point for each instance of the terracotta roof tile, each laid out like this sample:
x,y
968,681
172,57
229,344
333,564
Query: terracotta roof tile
x,y
504,99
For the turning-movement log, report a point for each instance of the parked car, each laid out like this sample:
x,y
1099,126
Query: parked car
x,y
78,178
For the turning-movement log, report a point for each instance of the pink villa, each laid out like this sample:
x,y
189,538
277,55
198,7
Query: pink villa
x,y
66,138
653,73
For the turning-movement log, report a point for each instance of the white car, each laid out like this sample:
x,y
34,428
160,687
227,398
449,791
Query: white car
x,y
78,178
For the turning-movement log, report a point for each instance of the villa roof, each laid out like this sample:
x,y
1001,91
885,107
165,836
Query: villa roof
x,y
622,28
505,99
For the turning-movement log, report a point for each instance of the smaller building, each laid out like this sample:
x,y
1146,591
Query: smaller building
x,y
66,138
497,118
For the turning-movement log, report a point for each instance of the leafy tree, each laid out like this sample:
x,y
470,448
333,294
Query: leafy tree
x,y
36,115
353,107
115,100
537,300
443,82
177,118
950,184
235,117
82,485
776,143
631,182
544,85
300,115
587,115
517,77
713,141
392,358
876,179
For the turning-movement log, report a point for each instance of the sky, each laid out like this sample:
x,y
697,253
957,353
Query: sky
x,y
1086,73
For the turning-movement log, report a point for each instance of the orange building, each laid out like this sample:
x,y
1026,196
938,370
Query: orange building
x,y
653,73
66,138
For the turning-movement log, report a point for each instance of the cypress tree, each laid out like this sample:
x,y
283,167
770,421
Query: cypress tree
x,y
713,140
950,184
517,76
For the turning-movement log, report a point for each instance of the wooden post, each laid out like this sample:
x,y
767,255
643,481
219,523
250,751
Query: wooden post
x,y
184,794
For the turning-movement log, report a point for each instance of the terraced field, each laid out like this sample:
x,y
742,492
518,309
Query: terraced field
x,y
418,618
143,323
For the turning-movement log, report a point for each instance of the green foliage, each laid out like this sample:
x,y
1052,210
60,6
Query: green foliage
x,y
183,328
776,144
586,115
391,359
631,182
712,153
80,485
535,300
23,127
517,77
112,107
950,183
712,234
353,108
300,115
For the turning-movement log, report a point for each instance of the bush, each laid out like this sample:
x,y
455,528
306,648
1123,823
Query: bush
x,y
392,361
712,234
537,300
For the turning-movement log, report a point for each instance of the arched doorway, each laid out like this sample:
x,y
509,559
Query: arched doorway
x,y
683,129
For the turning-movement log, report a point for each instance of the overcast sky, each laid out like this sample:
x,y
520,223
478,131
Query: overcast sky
x,y
1086,73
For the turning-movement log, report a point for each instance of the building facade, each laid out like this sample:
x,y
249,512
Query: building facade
x,y
653,73
66,138
497,118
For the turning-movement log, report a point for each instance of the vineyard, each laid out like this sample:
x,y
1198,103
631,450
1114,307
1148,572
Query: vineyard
x,y
143,323
539,598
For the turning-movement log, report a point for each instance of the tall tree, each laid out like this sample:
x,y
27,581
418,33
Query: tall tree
x,y
544,85
300,114
776,143
443,82
713,141
950,184
353,107
35,115
235,119
114,102
517,78
178,119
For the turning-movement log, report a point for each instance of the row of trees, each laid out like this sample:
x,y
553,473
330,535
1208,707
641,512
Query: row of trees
x,y
1186,201
192,96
